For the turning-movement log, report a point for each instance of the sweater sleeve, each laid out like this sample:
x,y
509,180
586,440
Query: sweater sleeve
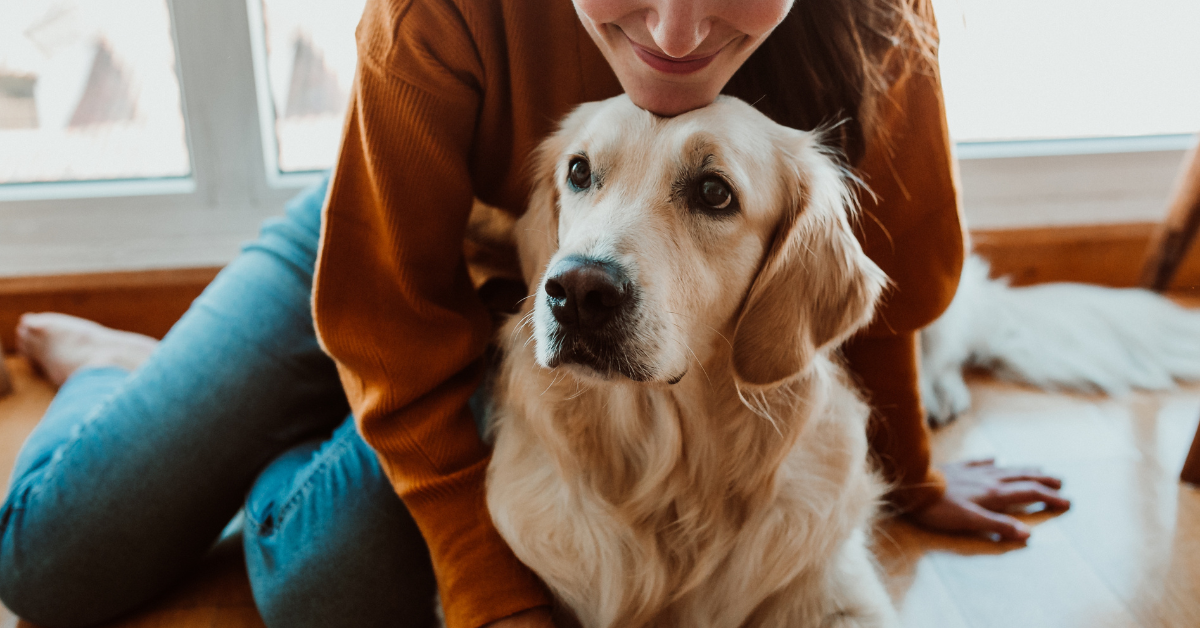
x,y
393,303
913,229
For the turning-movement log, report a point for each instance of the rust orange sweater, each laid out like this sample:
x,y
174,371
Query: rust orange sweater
x,y
450,98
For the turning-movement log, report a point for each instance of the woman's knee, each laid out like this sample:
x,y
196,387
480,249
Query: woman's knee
x,y
321,588
42,582
70,557
329,543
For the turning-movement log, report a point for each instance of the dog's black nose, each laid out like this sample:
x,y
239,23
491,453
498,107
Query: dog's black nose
x,y
585,293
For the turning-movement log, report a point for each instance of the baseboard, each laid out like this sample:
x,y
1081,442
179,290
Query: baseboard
x,y
1109,255
149,302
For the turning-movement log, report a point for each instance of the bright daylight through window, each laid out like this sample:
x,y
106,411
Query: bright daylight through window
x,y
310,56
1051,69
88,91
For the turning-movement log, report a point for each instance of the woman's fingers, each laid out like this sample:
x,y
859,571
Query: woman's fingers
x,y
1044,480
1027,474
988,522
961,516
1018,474
1027,492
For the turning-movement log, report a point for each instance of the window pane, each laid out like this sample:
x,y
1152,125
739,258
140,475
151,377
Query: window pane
x,y
88,91
1039,69
310,63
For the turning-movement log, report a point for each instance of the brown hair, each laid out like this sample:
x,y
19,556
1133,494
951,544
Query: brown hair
x,y
830,63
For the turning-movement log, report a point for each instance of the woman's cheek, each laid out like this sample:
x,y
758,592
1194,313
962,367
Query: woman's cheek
x,y
756,17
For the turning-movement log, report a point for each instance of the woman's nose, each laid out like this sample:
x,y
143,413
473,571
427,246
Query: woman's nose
x,y
678,26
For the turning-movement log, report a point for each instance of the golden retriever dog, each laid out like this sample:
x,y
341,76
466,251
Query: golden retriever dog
x,y
675,442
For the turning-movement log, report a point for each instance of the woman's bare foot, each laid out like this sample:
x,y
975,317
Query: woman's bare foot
x,y
59,345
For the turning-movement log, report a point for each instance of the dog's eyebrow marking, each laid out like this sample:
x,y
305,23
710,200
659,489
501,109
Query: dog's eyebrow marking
x,y
699,150
701,153
688,175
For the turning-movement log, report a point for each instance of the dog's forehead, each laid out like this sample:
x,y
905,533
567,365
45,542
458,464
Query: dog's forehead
x,y
728,130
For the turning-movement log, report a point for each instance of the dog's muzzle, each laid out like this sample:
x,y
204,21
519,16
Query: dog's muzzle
x,y
592,301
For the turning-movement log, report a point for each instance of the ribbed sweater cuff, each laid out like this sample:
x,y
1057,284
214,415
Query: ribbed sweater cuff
x,y
911,498
479,578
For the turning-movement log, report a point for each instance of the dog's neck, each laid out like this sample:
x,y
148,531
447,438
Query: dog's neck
x,y
670,476
657,451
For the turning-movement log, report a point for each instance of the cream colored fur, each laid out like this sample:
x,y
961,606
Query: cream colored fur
x,y
740,495
1056,336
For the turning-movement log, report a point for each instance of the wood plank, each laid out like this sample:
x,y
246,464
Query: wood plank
x,y
148,302
1110,255
1174,235
920,596
1045,584
1126,554
19,413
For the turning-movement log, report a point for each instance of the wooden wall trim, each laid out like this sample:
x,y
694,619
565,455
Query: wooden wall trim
x,y
149,302
1110,255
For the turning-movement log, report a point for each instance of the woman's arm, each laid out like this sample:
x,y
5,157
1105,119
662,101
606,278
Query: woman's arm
x,y
393,303
911,226
913,229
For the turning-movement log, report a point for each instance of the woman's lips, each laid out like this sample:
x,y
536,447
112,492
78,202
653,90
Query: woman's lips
x,y
686,65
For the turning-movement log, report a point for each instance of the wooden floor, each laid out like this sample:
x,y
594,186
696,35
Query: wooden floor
x,y
1127,554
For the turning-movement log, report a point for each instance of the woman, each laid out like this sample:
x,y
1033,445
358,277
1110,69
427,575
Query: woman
x,y
449,100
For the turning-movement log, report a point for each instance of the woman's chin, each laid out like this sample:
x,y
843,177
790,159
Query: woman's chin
x,y
673,99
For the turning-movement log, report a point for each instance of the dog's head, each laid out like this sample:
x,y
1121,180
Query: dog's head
x,y
650,240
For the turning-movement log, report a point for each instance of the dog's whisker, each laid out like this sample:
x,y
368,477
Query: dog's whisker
x,y
580,389
759,410
710,327
882,532
557,376
683,342
522,324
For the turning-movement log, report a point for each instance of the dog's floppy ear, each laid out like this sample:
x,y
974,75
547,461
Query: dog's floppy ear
x,y
816,286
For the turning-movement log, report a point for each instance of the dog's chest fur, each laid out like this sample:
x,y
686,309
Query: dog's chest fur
x,y
677,506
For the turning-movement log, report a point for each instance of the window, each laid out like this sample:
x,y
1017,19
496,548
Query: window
x,y
304,61
88,91
1055,69
1069,111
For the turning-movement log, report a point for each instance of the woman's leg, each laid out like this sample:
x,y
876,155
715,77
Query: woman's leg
x,y
328,542
129,478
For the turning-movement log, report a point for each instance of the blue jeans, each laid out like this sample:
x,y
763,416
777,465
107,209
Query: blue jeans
x,y
130,477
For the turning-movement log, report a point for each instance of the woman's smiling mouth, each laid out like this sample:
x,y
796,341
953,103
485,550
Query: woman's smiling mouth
x,y
684,65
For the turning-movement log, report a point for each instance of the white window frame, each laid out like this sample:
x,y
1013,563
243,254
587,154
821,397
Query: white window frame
x,y
201,220
195,221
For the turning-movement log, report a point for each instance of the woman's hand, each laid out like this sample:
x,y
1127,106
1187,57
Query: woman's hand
x,y
532,618
977,493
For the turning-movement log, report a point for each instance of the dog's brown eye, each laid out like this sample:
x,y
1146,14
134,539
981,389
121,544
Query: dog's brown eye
x,y
714,195
579,173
